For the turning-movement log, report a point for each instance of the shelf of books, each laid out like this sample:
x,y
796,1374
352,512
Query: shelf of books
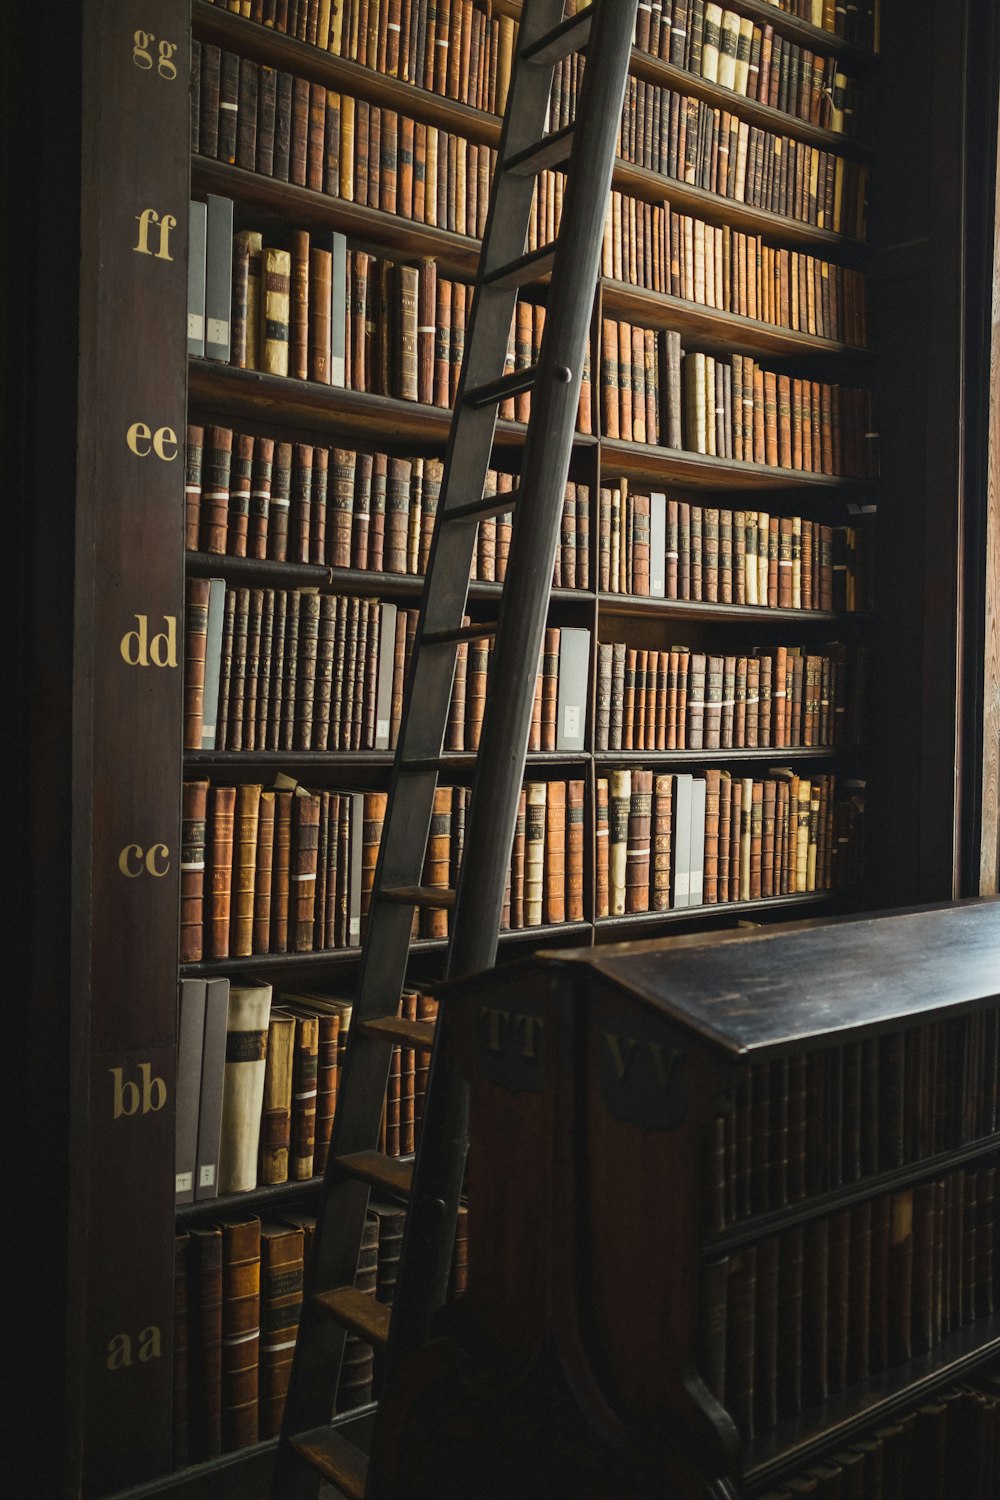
x,y
697,754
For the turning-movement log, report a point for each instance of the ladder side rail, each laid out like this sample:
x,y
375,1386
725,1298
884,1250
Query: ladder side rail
x,y
499,771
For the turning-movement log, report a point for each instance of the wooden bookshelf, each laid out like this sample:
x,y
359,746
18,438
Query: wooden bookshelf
x,y
122,763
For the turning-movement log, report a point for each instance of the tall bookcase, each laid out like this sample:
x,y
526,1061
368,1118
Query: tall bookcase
x,y
106,760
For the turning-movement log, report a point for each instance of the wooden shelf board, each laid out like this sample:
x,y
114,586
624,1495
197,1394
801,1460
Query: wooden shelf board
x,y
842,1417
264,1195
665,758
264,44
668,75
817,1205
778,229
457,254
702,471
216,387
697,609
248,570
349,760
637,923
714,330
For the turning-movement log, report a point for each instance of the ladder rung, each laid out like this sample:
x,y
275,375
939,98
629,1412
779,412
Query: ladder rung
x,y
459,634
386,1172
498,390
477,510
401,1029
525,269
551,151
359,1312
419,895
571,35
339,1461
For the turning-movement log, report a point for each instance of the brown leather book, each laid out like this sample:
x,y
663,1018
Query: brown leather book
x,y
281,1278
518,864
195,644
216,471
555,852
356,1372
240,1332
302,872
434,920
740,1338
264,873
303,1124
371,836
193,835
180,1447
638,842
205,1343
194,453
276,1111
221,818
209,98
229,88
244,869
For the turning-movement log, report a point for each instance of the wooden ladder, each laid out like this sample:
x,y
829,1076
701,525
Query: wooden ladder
x,y
311,1449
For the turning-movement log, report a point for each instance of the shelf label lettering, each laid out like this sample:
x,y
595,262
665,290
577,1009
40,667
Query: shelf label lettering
x,y
133,860
513,1047
139,649
643,1081
127,1097
146,219
141,439
143,58
148,1345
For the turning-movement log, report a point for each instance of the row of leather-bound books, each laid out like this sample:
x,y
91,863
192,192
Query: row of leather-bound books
x,y
237,1301
665,841
949,1445
802,1315
375,325
815,1122
298,131
460,49
679,699
258,1076
730,270
275,669
734,51
254,496
688,140
450,47
673,549
654,391
284,870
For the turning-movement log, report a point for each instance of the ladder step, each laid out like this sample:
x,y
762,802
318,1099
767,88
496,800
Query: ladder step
x,y
569,36
525,269
359,1312
551,151
386,1172
399,1029
459,634
336,1459
495,391
418,895
477,510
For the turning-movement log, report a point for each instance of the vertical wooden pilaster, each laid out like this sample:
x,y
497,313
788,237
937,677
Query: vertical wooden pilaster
x,y
128,661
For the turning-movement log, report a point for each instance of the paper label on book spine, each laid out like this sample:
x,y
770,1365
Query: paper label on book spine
x,y
337,367
217,331
184,1182
382,729
196,326
571,721
206,1177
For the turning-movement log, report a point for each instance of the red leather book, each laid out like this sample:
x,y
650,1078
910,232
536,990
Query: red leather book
x,y
194,450
260,497
193,835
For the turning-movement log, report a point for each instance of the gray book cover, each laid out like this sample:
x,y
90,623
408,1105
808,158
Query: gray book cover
x,y
213,662
338,311
571,699
696,887
213,1072
197,231
218,277
657,546
357,825
187,1092
681,842
383,683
